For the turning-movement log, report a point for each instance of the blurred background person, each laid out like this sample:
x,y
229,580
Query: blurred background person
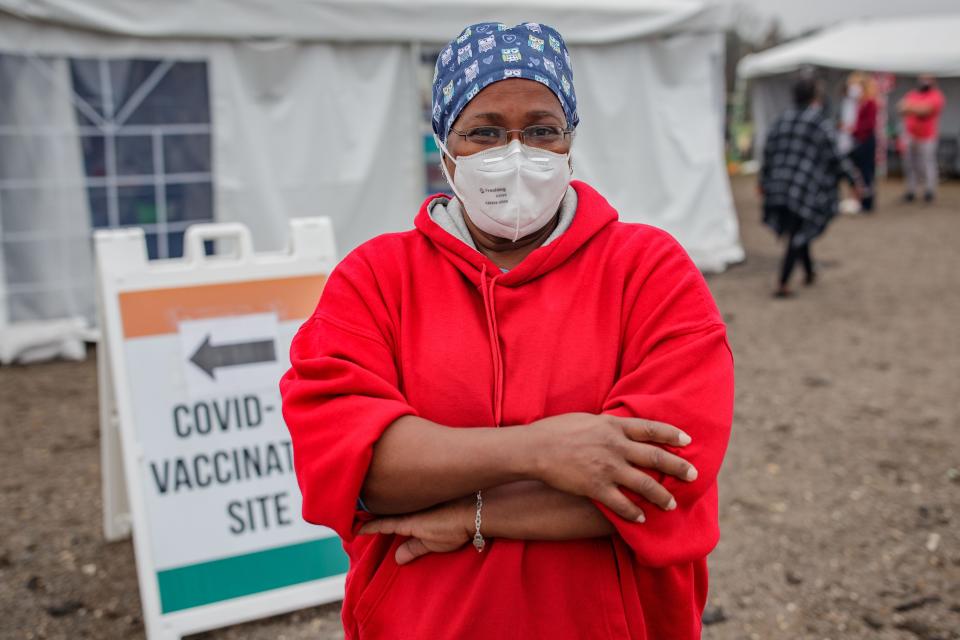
x,y
801,171
921,109
848,113
864,138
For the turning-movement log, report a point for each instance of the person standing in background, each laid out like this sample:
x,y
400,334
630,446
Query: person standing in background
x,y
799,178
848,113
921,109
864,135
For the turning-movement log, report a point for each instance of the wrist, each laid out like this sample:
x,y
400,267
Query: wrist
x,y
465,510
529,452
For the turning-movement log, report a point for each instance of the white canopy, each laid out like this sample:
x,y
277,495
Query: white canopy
x,y
903,45
316,107
598,21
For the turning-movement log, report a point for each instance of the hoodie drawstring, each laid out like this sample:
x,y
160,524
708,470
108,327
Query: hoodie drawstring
x,y
490,309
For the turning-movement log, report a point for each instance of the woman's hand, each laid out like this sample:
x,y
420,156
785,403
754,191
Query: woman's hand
x,y
593,455
444,528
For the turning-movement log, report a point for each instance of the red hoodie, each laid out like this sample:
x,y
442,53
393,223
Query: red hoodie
x,y
609,317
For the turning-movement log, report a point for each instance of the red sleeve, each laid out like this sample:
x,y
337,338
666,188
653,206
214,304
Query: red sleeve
x,y
340,394
676,368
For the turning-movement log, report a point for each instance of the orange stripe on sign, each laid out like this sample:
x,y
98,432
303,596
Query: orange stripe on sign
x,y
159,311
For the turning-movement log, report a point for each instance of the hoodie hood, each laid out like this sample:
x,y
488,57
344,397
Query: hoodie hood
x,y
593,214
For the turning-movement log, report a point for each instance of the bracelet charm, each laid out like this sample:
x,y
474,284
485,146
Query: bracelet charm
x,y
478,541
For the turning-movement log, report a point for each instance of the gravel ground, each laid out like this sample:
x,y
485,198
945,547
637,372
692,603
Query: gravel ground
x,y
840,498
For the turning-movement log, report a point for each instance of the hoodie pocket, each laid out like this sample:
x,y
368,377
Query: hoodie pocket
x,y
611,591
373,595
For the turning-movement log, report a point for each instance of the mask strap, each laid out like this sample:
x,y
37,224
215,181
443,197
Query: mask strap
x,y
443,167
443,149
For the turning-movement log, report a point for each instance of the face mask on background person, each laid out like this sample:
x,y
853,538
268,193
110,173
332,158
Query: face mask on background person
x,y
510,191
855,91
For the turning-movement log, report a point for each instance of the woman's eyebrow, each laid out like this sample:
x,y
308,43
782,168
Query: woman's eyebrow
x,y
491,116
543,114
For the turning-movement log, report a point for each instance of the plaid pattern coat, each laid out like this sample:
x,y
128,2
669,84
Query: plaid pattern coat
x,y
800,174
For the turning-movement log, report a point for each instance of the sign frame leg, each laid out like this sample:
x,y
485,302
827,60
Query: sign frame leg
x,y
117,524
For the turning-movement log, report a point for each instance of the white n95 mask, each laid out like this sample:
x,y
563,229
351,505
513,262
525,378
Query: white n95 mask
x,y
510,191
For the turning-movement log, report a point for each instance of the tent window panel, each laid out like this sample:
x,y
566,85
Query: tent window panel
x,y
99,210
109,85
189,202
186,153
94,155
134,155
137,205
125,141
181,96
147,161
88,87
127,76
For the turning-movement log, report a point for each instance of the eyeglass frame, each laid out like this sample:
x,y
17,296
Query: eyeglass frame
x,y
565,132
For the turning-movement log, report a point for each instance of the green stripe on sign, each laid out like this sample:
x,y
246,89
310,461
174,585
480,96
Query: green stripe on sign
x,y
217,580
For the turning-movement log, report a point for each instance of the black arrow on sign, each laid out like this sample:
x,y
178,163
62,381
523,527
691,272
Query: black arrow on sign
x,y
209,357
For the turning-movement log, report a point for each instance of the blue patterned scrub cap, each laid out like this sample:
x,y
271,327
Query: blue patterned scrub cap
x,y
490,51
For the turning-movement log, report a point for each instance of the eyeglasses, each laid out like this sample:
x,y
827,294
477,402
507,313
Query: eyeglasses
x,y
542,136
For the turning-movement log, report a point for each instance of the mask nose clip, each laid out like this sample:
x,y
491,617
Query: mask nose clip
x,y
511,149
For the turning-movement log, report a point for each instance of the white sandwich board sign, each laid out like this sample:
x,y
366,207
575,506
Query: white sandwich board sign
x,y
196,457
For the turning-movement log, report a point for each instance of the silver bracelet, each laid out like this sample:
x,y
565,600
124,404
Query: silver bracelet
x,y
478,541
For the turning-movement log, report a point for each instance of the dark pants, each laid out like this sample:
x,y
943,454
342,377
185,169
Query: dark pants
x,y
864,158
794,252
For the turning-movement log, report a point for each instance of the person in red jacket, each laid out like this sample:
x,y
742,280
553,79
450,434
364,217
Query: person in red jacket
x,y
515,413
921,109
864,136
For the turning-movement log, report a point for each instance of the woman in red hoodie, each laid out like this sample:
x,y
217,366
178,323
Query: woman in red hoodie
x,y
514,414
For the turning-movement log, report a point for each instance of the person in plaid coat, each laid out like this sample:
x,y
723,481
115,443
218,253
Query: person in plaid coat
x,y
801,172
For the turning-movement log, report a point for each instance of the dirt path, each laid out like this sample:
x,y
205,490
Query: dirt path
x,y
840,499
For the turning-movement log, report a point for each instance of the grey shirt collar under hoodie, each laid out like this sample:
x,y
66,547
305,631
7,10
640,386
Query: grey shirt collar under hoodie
x,y
448,214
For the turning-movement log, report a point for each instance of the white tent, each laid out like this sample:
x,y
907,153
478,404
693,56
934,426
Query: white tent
x,y
116,112
904,46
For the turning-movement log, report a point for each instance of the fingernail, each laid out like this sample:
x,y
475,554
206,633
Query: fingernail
x,y
692,474
672,505
641,518
684,439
